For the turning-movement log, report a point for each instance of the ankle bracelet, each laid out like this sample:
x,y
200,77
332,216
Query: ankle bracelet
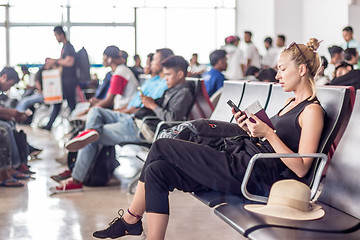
x,y
134,215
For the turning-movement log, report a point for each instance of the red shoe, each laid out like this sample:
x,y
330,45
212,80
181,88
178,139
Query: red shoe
x,y
62,176
69,186
84,138
23,168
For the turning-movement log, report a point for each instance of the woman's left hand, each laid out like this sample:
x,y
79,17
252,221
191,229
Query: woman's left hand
x,y
257,128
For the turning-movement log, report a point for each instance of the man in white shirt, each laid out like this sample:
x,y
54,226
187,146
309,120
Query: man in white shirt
x,y
271,56
252,53
235,58
280,43
350,42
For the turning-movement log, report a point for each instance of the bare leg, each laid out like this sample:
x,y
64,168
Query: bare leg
x,y
157,224
137,205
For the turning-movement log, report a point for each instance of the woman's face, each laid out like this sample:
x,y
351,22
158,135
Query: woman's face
x,y
288,74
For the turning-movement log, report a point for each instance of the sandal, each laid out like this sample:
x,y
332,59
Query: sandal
x,y
19,175
12,182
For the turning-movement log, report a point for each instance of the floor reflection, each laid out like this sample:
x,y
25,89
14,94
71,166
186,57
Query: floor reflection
x,y
30,213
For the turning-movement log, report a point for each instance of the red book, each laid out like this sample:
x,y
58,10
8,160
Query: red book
x,y
259,111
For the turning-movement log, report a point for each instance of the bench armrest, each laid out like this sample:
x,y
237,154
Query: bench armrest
x,y
314,187
159,126
144,119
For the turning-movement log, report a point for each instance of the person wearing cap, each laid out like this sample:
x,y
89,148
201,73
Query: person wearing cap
x,y
235,58
123,82
270,58
195,166
252,53
68,74
214,79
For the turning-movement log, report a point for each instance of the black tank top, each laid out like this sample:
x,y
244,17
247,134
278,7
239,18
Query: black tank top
x,y
287,125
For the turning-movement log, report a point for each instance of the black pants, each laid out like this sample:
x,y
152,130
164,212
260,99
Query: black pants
x,y
69,93
186,166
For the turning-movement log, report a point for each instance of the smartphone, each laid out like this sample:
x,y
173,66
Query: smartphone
x,y
232,105
139,89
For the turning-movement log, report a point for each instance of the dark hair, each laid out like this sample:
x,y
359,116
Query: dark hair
x,y
251,71
124,54
136,56
24,68
348,29
112,51
324,62
59,30
248,32
195,54
334,50
177,63
281,36
268,40
11,74
165,53
349,53
344,65
150,55
267,75
216,55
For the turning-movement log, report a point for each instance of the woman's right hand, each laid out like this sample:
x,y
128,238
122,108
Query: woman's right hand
x,y
240,118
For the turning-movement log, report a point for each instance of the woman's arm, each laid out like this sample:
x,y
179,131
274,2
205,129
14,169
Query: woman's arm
x,y
311,121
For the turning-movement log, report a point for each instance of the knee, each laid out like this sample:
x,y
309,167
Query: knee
x,y
162,143
156,172
95,111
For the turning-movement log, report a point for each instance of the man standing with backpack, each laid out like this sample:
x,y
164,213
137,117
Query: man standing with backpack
x,y
68,75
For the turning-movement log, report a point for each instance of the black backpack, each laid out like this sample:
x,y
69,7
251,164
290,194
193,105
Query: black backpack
x,y
103,167
82,65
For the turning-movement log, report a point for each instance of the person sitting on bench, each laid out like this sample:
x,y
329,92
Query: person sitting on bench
x,y
191,167
107,127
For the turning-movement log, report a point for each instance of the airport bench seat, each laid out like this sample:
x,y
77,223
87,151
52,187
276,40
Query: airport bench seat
x,y
339,198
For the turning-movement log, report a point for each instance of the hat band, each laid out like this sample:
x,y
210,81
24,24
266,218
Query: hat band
x,y
288,202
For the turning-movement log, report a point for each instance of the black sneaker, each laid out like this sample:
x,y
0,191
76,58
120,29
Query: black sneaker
x,y
119,228
34,151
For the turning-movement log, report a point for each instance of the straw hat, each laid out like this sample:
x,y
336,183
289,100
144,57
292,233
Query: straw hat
x,y
289,199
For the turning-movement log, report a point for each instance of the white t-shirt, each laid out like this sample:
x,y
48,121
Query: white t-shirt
x,y
329,71
235,57
253,55
271,57
130,88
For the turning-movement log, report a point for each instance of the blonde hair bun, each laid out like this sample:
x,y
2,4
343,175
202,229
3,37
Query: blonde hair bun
x,y
314,44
